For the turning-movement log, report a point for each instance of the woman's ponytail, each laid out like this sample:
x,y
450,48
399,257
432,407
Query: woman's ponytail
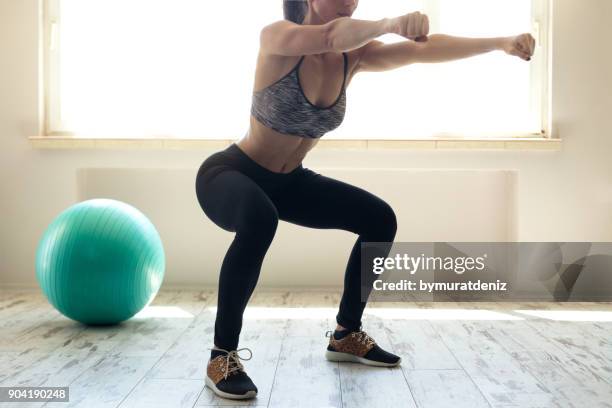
x,y
295,10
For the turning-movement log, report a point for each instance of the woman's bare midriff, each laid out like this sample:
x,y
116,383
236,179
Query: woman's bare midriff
x,y
275,151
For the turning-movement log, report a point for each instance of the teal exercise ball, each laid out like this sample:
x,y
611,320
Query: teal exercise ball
x,y
100,262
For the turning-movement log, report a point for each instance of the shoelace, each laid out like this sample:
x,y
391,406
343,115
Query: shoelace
x,y
232,360
361,336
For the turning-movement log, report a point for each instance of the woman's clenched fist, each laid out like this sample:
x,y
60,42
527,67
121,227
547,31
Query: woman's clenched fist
x,y
414,26
521,46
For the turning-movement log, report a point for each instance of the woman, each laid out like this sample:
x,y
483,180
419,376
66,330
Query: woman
x,y
304,65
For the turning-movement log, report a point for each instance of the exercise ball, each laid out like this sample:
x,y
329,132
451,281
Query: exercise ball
x,y
100,262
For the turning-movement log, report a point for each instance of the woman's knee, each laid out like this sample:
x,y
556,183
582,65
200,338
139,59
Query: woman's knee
x,y
259,217
382,224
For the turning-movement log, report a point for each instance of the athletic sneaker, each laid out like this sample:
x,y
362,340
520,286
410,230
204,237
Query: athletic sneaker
x,y
358,347
225,375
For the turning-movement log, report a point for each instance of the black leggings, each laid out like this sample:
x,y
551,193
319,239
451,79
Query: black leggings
x,y
241,196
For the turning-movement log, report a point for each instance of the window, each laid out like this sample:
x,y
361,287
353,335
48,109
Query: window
x,y
185,69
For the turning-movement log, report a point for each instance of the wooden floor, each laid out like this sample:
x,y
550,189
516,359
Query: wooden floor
x,y
453,355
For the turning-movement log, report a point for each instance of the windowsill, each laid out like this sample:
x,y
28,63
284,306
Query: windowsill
x,y
72,142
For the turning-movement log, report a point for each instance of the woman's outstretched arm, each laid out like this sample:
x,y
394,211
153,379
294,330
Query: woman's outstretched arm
x,y
442,47
377,56
287,38
339,35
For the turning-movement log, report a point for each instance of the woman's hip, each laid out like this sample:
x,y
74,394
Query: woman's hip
x,y
233,158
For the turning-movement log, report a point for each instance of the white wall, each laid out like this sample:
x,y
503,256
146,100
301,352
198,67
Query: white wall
x,y
437,195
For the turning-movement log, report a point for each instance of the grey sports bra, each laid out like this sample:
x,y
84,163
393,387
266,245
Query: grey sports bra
x,y
283,106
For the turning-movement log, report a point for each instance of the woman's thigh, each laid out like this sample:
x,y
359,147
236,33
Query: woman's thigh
x,y
233,201
318,201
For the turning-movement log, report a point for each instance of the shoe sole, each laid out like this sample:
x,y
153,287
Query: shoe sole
x,y
212,386
339,356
